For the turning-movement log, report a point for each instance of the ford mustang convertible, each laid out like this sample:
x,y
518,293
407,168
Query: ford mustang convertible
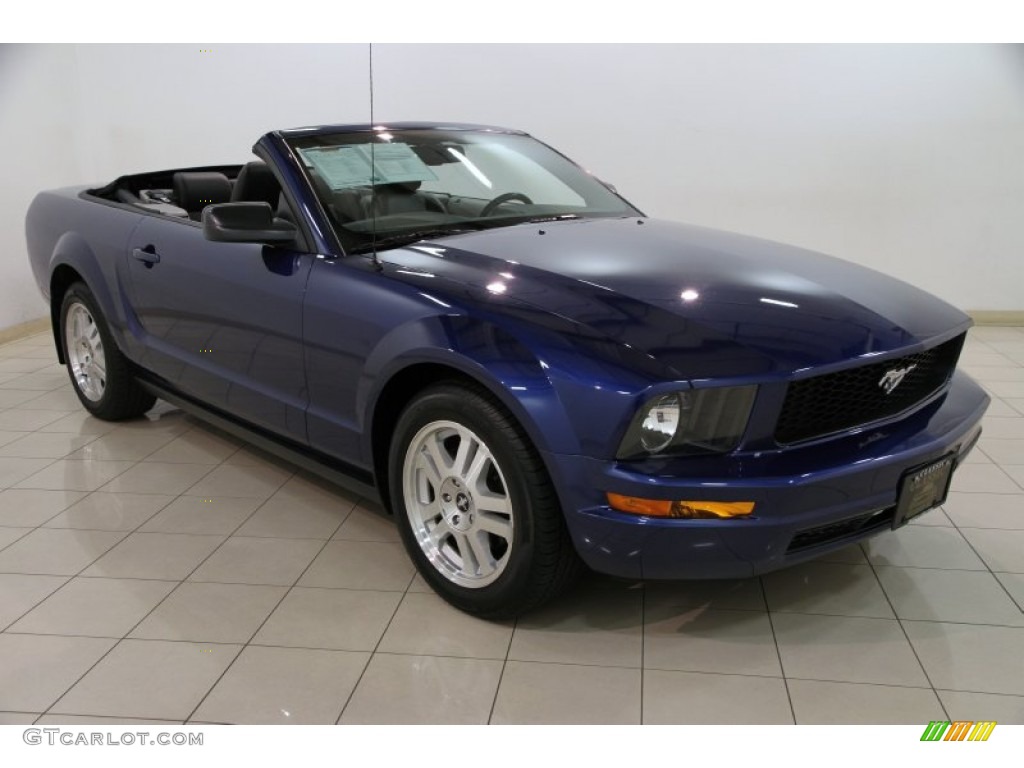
x,y
528,373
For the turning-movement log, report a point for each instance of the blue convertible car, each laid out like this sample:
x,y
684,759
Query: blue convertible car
x,y
527,372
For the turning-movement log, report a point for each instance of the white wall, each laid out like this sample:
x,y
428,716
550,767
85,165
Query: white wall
x,y
148,107
86,114
37,144
909,159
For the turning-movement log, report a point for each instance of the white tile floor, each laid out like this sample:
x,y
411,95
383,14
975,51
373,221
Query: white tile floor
x,y
158,570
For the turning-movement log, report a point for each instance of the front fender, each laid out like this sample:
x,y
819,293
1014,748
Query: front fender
x,y
482,351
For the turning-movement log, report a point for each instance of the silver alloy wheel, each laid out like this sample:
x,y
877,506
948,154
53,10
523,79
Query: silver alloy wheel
x,y
86,357
458,504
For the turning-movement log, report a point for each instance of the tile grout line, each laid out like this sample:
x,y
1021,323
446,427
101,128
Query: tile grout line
x,y
102,656
406,592
643,647
988,568
68,579
373,653
906,635
557,664
59,458
19,538
778,651
58,490
501,675
142,458
248,643
787,612
121,640
42,428
115,718
134,463
225,583
197,567
1011,478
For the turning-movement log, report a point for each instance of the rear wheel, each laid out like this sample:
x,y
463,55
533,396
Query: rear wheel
x,y
476,509
99,372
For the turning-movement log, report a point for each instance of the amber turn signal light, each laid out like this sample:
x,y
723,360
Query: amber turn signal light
x,y
680,509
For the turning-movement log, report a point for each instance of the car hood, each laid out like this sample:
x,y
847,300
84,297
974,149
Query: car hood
x,y
702,302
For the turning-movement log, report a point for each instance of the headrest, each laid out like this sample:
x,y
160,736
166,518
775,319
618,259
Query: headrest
x,y
194,190
256,183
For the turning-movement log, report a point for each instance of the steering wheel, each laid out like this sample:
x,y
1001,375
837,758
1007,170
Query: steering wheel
x,y
500,200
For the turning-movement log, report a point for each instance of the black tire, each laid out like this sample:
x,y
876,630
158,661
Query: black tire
x,y
115,396
539,561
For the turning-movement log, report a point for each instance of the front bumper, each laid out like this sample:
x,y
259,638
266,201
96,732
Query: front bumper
x,y
808,500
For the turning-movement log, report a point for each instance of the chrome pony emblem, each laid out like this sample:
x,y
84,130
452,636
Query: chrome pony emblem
x,y
894,378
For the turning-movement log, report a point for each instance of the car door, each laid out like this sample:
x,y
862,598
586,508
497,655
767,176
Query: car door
x,y
350,307
222,322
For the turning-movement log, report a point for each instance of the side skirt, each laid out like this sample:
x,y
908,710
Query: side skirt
x,y
350,478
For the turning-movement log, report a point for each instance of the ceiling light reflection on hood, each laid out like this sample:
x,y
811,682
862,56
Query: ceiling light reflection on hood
x,y
436,300
780,303
432,250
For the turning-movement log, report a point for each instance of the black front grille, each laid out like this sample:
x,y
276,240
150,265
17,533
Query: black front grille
x,y
844,529
835,402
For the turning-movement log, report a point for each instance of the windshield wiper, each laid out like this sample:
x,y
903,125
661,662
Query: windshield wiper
x,y
406,238
555,217
511,221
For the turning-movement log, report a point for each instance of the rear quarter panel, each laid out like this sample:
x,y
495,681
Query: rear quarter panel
x,y
64,227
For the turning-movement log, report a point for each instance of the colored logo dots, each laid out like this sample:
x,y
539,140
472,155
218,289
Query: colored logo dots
x,y
960,730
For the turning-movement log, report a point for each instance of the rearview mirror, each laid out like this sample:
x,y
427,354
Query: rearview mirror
x,y
245,223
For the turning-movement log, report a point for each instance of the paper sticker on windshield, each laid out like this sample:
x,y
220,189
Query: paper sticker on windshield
x,y
340,167
349,166
397,162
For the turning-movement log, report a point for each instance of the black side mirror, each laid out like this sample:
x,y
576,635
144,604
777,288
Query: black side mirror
x,y
245,223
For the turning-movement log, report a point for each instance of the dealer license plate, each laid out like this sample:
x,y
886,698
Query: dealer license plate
x,y
923,488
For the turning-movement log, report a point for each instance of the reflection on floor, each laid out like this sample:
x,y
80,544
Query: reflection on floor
x,y
158,570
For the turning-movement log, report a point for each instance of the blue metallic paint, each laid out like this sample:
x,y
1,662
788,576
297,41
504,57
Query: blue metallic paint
x,y
589,321
239,355
794,490
63,233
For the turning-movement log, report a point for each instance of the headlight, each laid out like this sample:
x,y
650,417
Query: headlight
x,y
660,423
692,421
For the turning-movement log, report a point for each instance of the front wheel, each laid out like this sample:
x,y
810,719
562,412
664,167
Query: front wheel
x,y
99,372
476,509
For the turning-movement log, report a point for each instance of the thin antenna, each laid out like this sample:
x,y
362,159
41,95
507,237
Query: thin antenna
x,y
373,173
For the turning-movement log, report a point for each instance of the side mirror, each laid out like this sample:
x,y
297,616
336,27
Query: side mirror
x,y
245,223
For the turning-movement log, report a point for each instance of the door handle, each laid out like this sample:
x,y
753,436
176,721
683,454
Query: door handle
x,y
147,255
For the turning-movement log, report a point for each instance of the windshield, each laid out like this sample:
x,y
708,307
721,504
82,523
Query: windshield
x,y
384,188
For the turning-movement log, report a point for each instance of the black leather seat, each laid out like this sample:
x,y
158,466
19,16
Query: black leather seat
x,y
344,205
256,183
400,197
194,190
